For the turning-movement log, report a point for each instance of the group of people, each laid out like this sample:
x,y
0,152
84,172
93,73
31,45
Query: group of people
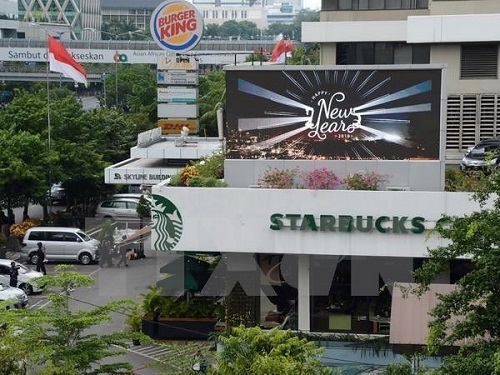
x,y
40,265
109,249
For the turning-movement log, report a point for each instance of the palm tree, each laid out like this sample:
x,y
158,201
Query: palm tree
x,y
212,97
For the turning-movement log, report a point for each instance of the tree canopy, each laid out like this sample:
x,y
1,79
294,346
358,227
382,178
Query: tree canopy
x,y
471,313
276,352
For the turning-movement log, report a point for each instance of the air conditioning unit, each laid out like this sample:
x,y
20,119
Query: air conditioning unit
x,y
397,188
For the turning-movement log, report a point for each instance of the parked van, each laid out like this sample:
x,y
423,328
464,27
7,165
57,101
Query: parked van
x,y
60,243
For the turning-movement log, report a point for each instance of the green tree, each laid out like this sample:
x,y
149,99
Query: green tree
x,y
23,167
212,91
230,28
475,299
253,351
58,340
212,31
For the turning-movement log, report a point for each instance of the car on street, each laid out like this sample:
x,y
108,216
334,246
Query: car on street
x,y
26,279
16,297
120,207
61,244
483,155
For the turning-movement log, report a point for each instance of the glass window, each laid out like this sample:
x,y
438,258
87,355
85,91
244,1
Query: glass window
x,y
376,4
363,4
365,53
71,237
55,236
36,236
120,204
422,4
107,204
392,4
421,54
131,205
4,270
402,53
384,53
345,4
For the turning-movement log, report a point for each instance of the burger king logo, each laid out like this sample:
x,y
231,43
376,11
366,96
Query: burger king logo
x,y
176,26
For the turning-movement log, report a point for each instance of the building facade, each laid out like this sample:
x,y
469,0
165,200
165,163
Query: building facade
x,y
76,15
460,34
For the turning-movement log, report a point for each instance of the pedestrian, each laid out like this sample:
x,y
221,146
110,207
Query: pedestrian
x,y
123,256
14,274
11,217
4,223
41,258
106,252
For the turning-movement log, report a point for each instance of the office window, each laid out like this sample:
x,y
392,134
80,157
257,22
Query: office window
x,y
421,54
384,53
479,61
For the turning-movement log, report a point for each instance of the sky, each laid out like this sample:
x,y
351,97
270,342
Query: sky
x,y
312,4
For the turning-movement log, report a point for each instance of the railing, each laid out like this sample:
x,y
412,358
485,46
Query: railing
x,y
204,45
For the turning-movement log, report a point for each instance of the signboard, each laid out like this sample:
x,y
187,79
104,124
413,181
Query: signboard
x,y
106,56
183,62
169,110
177,77
342,114
176,26
137,176
177,94
175,126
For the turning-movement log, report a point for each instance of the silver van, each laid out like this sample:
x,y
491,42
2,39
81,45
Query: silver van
x,y
60,243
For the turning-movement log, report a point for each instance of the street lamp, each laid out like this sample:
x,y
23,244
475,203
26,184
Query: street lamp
x,y
116,59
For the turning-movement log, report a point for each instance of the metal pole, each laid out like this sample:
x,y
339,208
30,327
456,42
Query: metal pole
x,y
116,84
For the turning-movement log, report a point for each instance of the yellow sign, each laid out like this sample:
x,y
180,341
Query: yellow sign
x,y
175,126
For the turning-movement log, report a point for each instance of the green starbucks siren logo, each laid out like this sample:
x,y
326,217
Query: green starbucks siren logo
x,y
168,223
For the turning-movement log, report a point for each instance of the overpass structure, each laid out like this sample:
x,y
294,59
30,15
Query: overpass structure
x,y
209,53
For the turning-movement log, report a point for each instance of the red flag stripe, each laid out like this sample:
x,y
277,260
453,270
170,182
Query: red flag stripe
x,y
62,56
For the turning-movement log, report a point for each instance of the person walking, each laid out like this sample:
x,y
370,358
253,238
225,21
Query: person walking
x,y
14,274
41,259
123,256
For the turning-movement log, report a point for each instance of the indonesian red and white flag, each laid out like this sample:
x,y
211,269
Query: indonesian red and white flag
x,y
282,50
61,61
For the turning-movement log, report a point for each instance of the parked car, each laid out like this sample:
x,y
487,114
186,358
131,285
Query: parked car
x,y
57,194
17,297
61,243
119,207
476,157
26,278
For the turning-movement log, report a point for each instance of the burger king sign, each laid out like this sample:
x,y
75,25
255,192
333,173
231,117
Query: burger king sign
x,y
176,26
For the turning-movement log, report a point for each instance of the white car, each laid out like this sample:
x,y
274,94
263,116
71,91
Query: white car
x,y
15,296
25,280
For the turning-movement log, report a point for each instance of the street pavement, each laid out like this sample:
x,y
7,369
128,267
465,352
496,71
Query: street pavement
x,y
119,283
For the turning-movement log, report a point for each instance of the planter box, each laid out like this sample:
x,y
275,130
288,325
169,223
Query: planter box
x,y
179,328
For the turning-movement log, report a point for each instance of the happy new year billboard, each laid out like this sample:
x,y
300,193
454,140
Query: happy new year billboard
x,y
333,114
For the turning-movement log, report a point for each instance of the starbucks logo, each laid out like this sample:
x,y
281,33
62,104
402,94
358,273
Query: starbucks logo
x,y
168,224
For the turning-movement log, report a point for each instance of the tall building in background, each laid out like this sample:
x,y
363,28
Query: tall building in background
x,y
137,13
8,19
462,35
76,15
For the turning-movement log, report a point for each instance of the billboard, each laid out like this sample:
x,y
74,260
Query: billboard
x,y
334,114
177,94
176,26
175,110
174,126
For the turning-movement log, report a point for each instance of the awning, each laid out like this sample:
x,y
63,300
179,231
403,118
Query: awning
x,y
184,273
143,232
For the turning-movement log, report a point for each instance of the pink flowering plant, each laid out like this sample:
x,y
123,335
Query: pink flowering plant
x,y
364,180
275,178
320,179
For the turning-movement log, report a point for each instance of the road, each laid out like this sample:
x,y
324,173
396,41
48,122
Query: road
x,y
118,283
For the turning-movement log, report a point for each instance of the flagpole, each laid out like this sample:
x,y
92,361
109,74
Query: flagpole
x,y
48,92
